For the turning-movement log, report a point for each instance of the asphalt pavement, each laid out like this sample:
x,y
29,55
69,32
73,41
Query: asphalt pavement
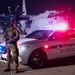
x,y
2,67
21,69
25,70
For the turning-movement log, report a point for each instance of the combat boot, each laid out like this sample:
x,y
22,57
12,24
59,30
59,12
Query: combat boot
x,y
7,69
16,70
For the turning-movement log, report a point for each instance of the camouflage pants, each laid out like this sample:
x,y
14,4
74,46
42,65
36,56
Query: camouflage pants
x,y
12,55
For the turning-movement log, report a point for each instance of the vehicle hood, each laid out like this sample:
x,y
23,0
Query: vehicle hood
x,y
25,41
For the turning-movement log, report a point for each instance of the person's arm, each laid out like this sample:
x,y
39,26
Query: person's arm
x,y
16,37
5,35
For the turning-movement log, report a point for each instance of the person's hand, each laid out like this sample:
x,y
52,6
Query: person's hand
x,y
8,41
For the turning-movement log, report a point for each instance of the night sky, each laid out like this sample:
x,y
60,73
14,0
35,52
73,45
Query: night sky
x,y
35,7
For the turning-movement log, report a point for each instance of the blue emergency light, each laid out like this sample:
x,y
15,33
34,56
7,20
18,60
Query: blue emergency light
x,y
2,50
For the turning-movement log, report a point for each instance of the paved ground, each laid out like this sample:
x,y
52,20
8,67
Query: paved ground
x,y
2,66
25,70
21,69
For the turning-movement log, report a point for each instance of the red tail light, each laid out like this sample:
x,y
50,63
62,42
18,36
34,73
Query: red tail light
x,y
46,46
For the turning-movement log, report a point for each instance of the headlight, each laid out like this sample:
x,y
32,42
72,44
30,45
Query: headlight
x,y
22,48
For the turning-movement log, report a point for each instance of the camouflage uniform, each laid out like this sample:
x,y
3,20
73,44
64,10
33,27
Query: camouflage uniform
x,y
11,36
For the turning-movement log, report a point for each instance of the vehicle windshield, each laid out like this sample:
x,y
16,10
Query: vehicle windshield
x,y
39,34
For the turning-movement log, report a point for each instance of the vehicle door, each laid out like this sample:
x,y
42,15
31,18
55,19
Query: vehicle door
x,y
70,47
60,45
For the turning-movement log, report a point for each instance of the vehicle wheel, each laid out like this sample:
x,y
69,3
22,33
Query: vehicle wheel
x,y
37,59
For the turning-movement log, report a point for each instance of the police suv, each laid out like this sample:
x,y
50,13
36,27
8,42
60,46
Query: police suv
x,y
42,45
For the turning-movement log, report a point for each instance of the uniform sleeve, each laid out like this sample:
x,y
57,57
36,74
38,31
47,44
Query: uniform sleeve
x,y
5,34
16,37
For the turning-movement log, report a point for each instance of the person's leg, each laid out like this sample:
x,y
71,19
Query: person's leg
x,y
15,64
15,57
8,58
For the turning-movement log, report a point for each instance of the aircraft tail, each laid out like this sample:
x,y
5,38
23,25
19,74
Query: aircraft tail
x,y
24,7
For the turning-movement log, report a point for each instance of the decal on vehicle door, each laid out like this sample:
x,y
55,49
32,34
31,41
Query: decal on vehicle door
x,y
67,48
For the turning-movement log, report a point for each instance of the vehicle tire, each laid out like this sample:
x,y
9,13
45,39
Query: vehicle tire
x,y
37,59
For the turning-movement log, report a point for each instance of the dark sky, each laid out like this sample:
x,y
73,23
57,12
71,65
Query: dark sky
x,y
37,6
12,3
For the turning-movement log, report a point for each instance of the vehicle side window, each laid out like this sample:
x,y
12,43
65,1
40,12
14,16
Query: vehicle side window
x,y
53,37
62,35
57,36
37,35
